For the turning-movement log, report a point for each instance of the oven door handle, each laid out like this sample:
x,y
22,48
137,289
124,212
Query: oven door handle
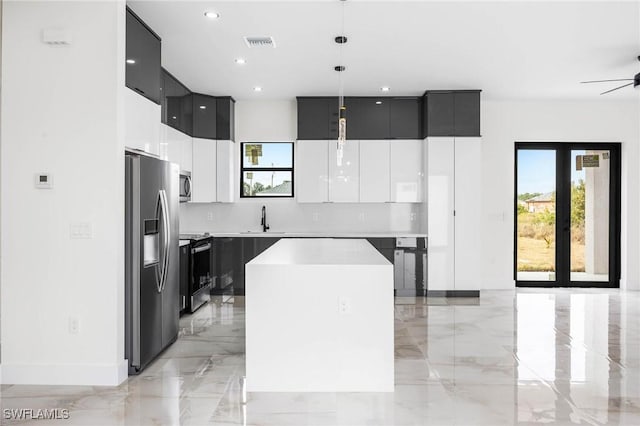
x,y
200,249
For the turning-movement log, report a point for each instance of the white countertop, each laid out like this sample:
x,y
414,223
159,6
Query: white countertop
x,y
184,243
320,251
301,234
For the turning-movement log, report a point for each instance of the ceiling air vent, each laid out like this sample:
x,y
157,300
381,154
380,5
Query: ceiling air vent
x,y
260,42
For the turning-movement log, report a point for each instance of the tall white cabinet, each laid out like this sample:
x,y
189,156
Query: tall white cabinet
x,y
454,211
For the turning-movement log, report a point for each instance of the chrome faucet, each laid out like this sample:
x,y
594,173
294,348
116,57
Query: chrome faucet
x,y
263,222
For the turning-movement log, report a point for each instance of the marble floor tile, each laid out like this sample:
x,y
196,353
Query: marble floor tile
x,y
526,357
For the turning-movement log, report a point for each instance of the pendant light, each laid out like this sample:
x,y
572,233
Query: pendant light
x,y
342,109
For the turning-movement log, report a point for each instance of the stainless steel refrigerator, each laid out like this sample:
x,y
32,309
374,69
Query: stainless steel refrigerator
x,y
152,292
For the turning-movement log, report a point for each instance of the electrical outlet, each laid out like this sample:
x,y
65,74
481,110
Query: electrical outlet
x,y
210,216
344,305
361,216
74,325
412,217
81,231
316,216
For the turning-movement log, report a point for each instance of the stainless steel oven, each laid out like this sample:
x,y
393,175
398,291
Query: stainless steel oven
x,y
185,187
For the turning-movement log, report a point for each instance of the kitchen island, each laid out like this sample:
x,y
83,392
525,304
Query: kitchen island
x,y
319,318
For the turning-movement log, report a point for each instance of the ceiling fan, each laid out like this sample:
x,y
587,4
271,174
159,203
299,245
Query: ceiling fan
x,y
635,81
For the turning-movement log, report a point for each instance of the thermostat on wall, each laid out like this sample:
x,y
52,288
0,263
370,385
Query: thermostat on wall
x,y
44,181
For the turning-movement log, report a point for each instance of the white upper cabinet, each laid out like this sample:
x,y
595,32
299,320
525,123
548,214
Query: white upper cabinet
x,y
312,172
204,173
406,171
176,147
375,171
225,171
344,179
142,118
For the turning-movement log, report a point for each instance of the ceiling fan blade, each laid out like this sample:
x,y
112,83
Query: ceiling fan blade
x,y
624,85
604,81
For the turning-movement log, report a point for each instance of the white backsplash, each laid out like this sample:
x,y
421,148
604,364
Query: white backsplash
x,y
286,215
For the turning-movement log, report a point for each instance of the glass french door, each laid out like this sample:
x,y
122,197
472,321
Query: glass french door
x,y
567,214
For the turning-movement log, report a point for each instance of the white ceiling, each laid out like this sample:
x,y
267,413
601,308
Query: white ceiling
x,y
510,50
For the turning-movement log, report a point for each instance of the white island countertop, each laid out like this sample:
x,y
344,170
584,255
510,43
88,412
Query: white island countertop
x,y
308,234
319,317
320,251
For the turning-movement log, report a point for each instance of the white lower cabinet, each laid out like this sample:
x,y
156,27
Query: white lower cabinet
x,y
213,175
142,118
453,213
344,179
312,171
406,171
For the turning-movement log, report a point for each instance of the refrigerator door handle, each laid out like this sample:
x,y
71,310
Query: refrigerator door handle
x,y
167,238
160,264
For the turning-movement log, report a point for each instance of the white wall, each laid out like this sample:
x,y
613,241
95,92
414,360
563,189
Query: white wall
x,y
503,123
264,121
62,113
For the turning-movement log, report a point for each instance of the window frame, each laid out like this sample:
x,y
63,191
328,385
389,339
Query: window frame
x,y
266,169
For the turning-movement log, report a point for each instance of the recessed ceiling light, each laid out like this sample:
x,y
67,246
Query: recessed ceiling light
x,y
203,107
378,102
131,61
212,15
385,88
240,61
257,89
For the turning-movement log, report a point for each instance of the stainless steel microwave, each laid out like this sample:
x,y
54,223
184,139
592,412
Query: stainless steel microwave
x,y
185,187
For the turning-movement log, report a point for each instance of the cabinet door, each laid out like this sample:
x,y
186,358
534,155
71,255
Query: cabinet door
x,y
405,116
203,175
355,120
225,119
142,123
344,180
467,113
225,171
174,98
312,173
187,154
143,59
468,208
440,114
440,205
407,175
313,118
374,118
375,172
204,116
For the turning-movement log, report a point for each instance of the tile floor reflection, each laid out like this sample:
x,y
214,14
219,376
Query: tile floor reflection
x,y
516,357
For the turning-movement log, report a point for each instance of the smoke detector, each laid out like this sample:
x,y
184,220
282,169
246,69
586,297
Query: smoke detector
x,y
260,42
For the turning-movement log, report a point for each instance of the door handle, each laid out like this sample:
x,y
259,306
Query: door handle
x,y
167,237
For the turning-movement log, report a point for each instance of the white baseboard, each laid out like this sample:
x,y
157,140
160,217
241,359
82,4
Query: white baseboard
x,y
64,374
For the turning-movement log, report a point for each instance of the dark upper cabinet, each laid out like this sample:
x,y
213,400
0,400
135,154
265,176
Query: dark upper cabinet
x,y
176,102
440,114
453,113
317,118
204,116
355,122
405,118
225,118
467,113
142,58
372,118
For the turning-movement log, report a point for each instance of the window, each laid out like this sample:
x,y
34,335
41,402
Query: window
x,y
266,169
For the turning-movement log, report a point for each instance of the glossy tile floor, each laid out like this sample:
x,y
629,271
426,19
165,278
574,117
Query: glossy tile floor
x,y
525,357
